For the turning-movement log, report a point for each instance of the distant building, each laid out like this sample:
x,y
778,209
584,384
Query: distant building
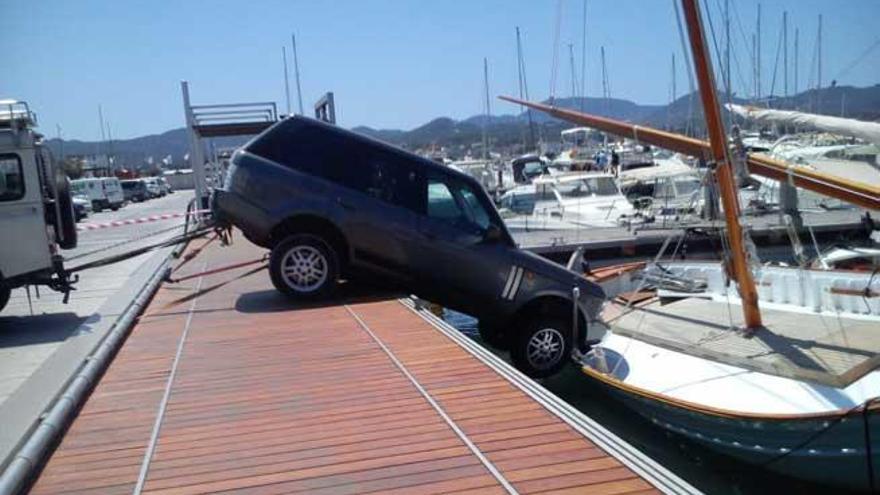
x,y
180,178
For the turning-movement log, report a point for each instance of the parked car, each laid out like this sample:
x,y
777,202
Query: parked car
x,y
164,185
135,190
82,207
331,203
153,188
104,192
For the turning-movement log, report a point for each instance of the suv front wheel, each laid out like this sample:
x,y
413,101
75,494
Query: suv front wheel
x,y
542,346
304,266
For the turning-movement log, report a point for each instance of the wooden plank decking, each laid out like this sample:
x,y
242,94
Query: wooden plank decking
x,y
238,390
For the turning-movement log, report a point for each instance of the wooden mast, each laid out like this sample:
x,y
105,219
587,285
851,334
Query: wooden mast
x,y
723,168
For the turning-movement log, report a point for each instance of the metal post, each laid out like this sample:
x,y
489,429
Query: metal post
x,y
723,169
196,154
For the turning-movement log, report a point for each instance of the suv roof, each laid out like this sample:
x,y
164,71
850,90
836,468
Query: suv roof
x,y
299,120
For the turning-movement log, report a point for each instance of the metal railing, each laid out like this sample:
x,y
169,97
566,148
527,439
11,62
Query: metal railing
x,y
234,113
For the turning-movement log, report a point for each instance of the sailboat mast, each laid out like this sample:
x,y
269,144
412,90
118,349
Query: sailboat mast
x,y
796,35
723,169
524,88
727,78
819,68
296,74
758,54
785,52
574,83
605,96
584,59
488,110
286,78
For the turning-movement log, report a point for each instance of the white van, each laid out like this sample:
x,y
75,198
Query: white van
x,y
104,192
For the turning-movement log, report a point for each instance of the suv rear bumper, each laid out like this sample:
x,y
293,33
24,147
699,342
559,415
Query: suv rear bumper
x,y
231,209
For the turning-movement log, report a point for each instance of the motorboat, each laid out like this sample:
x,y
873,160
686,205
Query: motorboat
x,y
581,199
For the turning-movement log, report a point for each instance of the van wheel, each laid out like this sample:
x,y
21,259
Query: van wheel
x,y
114,208
96,207
542,346
493,336
304,266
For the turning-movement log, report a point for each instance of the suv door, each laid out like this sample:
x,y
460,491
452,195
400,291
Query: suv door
x,y
378,209
461,267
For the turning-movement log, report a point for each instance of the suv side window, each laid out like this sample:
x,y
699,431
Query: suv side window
x,y
11,178
456,203
391,179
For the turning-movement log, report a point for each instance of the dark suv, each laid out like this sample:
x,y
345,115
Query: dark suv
x,y
334,204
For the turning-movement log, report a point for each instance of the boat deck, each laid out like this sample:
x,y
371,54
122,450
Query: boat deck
x,y
229,387
832,350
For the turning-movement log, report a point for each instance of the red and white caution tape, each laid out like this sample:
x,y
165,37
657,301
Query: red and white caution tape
x,y
135,221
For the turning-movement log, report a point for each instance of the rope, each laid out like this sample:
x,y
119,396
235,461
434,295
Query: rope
x,y
195,252
233,266
214,287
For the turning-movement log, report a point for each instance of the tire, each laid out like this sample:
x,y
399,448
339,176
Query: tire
x,y
542,346
96,207
65,227
318,271
493,336
114,207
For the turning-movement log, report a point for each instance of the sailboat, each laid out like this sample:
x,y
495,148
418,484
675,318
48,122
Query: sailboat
x,y
776,366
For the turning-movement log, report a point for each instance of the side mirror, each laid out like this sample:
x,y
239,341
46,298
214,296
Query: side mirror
x,y
493,233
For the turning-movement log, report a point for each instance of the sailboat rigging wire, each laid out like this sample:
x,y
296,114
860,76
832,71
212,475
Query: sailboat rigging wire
x,y
736,64
857,60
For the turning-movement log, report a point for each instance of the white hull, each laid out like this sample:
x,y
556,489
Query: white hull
x,y
741,406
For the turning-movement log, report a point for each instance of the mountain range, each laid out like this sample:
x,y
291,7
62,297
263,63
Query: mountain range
x,y
504,130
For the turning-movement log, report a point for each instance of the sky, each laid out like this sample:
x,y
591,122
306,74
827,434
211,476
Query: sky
x,y
390,63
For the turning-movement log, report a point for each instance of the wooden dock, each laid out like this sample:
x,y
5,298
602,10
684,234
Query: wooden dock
x,y
240,390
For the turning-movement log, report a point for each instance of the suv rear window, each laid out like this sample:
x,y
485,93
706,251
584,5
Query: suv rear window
x,y
372,170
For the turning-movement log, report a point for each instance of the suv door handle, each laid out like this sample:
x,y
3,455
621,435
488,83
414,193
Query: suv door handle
x,y
344,204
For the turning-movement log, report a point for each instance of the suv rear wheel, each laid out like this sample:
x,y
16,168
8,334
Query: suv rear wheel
x,y
304,266
542,346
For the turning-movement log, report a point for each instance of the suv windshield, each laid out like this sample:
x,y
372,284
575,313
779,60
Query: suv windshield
x,y
584,188
456,203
